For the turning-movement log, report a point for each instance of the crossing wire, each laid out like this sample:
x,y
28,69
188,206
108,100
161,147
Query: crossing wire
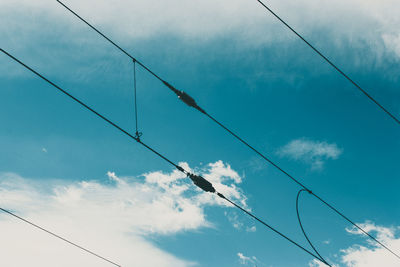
x,y
198,180
191,102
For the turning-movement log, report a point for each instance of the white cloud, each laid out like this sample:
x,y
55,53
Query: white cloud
x,y
233,218
115,219
251,229
248,261
314,153
373,254
370,255
317,263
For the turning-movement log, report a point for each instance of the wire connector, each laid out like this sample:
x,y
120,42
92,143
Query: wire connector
x,y
187,99
138,135
202,183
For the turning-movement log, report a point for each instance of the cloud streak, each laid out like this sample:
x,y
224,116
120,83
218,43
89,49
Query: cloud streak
x,y
314,153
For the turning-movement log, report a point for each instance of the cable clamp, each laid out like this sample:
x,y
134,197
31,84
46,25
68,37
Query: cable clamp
x,y
138,135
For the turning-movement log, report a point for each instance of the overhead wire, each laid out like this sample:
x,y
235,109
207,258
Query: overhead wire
x,y
196,179
397,120
58,236
191,102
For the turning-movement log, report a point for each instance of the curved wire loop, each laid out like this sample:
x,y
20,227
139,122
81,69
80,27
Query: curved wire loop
x,y
302,229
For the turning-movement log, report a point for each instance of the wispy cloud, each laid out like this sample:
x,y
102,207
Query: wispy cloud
x,y
249,261
251,229
115,219
312,152
234,220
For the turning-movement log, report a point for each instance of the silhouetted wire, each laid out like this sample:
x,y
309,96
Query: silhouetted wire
x,y
302,229
331,63
190,101
57,236
194,178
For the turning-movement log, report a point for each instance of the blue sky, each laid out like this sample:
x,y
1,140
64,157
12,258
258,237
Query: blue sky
x,y
61,166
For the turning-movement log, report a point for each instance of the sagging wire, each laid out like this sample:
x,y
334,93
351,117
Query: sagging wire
x,y
302,228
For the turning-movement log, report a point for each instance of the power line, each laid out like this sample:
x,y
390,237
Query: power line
x,y
191,102
197,180
59,237
332,64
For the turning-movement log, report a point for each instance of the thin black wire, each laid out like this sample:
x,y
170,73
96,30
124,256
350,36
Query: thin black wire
x,y
59,237
302,229
235,135
145,145
331,63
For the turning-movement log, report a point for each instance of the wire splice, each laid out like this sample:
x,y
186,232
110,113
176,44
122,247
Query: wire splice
x,y
187,99
202,183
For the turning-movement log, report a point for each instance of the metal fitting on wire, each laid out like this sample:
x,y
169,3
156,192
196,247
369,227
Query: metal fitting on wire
x,y
187,99
202,183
